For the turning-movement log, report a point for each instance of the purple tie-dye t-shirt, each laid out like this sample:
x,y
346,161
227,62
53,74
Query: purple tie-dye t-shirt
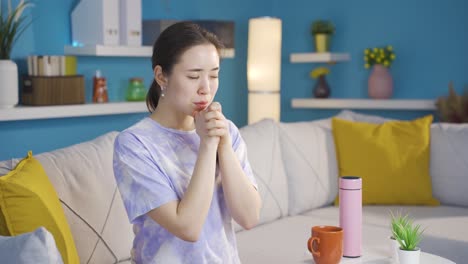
x,y
153,165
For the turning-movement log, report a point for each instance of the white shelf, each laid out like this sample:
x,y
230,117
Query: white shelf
x,y
319,57
389,104
123,51
60,111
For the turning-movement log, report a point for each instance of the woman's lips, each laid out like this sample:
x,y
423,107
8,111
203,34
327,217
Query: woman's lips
x,y
201,105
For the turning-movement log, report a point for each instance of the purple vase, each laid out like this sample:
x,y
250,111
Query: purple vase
x,y
321,88
380,83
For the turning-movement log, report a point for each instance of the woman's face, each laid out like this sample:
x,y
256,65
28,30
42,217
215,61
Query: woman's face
x,y
193,82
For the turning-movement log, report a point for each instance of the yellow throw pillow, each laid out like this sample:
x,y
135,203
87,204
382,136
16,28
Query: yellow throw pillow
x,y
28,200
392,158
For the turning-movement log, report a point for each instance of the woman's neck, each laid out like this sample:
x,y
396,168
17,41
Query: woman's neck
x,y
170,119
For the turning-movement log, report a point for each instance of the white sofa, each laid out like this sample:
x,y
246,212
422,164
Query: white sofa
x,y
296,168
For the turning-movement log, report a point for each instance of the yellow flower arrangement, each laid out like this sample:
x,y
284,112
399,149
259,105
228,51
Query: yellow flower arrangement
x,y
317,72
379,55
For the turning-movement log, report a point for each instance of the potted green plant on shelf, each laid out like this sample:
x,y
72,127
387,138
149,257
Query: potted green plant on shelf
x,y
321,88
322,30
12,25
380,82
454,107
408,235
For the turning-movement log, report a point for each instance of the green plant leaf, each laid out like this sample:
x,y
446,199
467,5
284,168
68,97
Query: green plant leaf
x,y
12,25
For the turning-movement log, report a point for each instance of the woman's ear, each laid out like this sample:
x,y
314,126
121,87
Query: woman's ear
x,y
159,76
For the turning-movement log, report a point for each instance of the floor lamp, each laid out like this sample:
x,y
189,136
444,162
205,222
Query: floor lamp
x,y
264,68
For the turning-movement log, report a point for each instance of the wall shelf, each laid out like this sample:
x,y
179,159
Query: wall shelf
x,y
389,104
123,51
319,57
60,111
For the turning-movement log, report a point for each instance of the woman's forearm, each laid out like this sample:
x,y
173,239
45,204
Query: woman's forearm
x,y
242,199
185,218
194,206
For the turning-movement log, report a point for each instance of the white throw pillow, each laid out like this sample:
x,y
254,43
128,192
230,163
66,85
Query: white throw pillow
x,y
264,154
310,161
449,163
37,247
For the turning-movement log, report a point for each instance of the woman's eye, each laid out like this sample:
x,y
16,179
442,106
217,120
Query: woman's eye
x,y
214,77
193,77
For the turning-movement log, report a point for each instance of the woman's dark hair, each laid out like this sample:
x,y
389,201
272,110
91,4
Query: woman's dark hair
x,y
169,47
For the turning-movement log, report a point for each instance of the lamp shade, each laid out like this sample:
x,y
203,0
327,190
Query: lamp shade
x,y
264,68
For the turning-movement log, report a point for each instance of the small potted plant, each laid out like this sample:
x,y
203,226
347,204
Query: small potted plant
x,y
12,25
408,236
322,30
454,107
321,88
395,223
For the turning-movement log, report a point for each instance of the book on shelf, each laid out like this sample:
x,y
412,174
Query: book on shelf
x,y
44,65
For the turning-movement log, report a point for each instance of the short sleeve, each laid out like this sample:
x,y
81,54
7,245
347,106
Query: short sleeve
x,y
239,147
142,184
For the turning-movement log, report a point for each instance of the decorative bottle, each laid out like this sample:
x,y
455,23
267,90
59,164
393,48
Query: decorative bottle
x,y
350,195
136,90
99,88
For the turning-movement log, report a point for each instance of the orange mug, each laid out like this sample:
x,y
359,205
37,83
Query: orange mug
x,y
326,244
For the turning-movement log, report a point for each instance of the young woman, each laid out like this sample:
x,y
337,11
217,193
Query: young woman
x,y
183,171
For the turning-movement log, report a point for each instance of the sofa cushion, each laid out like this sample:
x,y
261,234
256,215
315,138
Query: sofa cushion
x,y
36,247
448,157
28,200
309,157
354,116
391,158
449,163
83,177
264,154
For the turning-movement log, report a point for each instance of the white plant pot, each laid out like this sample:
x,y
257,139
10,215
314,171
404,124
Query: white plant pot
x,y
394,247
8,84
409,256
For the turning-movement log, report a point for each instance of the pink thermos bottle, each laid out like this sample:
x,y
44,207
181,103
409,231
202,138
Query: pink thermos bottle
x,y
350,196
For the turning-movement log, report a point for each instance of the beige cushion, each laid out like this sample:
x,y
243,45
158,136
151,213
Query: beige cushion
x,y
264,154
83,177
309,157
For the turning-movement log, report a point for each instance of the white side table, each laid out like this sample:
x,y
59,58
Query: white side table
x,y
373,258
379,254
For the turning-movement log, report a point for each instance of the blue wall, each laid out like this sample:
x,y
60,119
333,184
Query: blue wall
x,y
428,36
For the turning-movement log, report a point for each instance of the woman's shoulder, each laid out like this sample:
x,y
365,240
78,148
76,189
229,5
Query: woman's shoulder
x,y
139,130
